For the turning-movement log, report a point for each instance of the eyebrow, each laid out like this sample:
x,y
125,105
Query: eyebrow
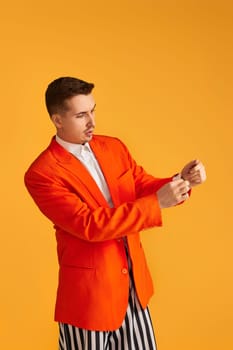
x,y
80,113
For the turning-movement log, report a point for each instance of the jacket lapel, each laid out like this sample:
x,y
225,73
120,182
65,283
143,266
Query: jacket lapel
x,y
105,161
69,162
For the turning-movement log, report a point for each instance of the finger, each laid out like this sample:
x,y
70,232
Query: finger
x,y
196,181
200,173
196,168
176,183
183,183
184,190
183,187
198,178
194,177
185,196
193,163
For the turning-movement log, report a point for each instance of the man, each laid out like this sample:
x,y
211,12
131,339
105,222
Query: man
x,y
99,199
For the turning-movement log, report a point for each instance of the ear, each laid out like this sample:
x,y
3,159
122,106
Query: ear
x,y
57,120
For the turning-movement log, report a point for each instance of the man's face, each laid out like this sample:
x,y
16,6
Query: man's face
x,y
76,124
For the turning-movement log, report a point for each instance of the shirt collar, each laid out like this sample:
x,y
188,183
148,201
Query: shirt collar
x,y
74,148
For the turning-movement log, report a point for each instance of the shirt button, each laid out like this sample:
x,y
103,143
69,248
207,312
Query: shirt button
x,y
124,271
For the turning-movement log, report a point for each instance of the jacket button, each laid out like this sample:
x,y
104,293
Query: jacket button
x,y
124,271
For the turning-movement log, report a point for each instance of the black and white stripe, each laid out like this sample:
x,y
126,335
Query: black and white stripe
x,y
136,332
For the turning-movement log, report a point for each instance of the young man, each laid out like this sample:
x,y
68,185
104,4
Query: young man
x,y
99,199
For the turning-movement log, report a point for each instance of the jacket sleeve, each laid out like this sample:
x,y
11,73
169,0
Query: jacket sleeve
x,y
70,213
145,183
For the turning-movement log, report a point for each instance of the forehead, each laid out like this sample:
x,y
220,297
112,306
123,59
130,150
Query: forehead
x,y
80,103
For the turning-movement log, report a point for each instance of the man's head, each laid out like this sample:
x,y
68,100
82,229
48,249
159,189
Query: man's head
x,y
61,90
71,106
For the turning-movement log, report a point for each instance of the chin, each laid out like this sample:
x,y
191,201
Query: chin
x,y
88,138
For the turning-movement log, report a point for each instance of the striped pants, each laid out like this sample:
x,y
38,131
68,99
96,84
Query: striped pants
x,y
136,332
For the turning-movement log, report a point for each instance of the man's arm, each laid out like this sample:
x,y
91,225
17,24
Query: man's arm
x,y
70,213
170,191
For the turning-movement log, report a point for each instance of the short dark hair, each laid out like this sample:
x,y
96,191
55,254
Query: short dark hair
x,y
61,89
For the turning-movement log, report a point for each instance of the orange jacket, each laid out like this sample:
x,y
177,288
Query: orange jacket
x,y
93,276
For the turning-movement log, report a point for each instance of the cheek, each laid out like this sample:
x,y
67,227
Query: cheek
x,y
75,125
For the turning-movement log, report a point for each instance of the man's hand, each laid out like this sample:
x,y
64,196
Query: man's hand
x,y
173,193
194,172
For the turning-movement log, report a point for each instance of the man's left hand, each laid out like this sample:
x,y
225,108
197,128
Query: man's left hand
x,y
194,172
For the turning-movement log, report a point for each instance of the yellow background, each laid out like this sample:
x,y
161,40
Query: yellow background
x,y
163,74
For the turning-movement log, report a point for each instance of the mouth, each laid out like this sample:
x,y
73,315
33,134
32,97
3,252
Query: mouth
x,y
89,132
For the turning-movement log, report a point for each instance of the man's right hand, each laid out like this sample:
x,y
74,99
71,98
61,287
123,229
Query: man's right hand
x,y
173,193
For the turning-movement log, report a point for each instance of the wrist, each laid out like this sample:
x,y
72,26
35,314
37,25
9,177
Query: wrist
x,y
177,176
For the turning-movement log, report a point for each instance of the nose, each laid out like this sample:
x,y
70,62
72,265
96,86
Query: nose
x,y
90,119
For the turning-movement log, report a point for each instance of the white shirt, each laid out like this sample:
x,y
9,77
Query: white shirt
x,y
87,158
